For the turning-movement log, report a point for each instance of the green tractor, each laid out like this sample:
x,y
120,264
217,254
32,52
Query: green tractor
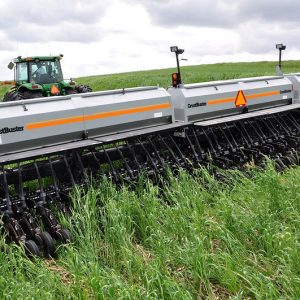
x,y
40,76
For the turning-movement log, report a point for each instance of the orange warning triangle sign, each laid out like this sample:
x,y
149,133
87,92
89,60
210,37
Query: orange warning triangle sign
x,y
240,100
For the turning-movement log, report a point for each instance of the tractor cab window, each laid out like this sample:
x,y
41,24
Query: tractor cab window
x,y
43,72
22,72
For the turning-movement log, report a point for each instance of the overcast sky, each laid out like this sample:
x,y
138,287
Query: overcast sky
x,y
110,36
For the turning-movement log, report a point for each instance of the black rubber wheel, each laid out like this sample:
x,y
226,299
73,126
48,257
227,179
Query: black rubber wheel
x,y
293,159
31,94
279,165
66,236
31,248
71,91
13,96
288,161
83,89
8,97
48,244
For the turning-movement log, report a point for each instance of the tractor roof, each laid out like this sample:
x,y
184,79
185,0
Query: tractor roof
x,y
20,59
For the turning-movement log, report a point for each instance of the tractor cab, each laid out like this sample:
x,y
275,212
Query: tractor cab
x,y
39,71
40,76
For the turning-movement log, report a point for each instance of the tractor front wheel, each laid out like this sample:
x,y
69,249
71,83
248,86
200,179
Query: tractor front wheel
x,y
83,89
13,96
71,91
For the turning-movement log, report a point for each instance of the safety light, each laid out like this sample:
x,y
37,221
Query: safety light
x,y
174,49
280,47
176,80
176,77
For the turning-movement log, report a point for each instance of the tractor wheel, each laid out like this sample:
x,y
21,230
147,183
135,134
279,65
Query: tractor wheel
x,y
27,94
13,96
83,89
8,96
71,91
31,248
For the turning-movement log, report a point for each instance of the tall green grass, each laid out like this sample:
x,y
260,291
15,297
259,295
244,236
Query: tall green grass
x,y
196,239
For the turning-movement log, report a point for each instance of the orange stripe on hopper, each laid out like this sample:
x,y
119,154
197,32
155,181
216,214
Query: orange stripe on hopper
x,y
267,94
102,115
252,96
218,101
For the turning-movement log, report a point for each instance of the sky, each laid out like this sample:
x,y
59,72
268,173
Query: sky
x,y
113,36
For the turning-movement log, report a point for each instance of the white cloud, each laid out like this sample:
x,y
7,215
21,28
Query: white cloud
x,y
99,37
220,13
52,13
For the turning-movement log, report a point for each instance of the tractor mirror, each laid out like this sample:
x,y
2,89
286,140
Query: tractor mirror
x,y
11,65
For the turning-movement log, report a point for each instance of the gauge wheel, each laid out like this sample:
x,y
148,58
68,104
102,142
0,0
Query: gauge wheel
x,y
31,248
66,236
48,244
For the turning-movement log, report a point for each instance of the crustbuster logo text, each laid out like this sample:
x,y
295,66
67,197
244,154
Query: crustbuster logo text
x,y
6,130
197,104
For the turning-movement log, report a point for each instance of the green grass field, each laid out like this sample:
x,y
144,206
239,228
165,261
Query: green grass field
x,y
197,239
189,74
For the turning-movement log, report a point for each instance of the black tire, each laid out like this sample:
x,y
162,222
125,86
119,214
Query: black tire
x,y
48,244
83,89
31,248
66,236
293,159
288,161
279,165
71,91
27,94
13,96
8,97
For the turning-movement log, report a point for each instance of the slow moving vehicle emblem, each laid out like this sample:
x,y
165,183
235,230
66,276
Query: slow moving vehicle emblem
x,y
240,100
